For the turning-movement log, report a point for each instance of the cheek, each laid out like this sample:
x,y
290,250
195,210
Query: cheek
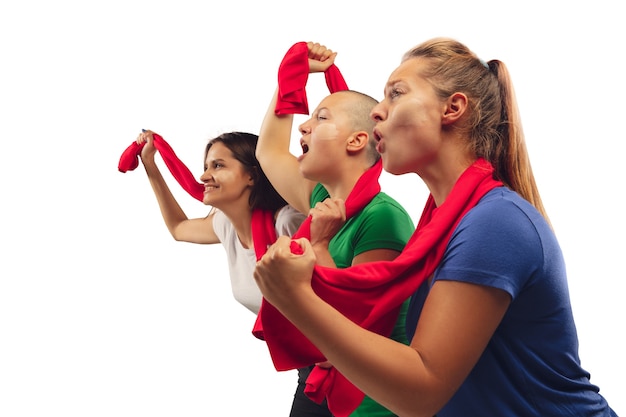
x,y
326,131
405,118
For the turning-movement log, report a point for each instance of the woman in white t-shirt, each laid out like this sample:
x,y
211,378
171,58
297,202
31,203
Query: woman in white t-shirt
x,y
234,185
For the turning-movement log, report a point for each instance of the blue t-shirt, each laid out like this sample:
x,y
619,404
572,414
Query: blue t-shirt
x,y
531,365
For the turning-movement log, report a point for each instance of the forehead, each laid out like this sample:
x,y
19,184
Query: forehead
x,y
407,70
218,151
335,102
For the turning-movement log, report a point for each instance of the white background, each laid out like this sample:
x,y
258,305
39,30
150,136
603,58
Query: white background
x,y
103,314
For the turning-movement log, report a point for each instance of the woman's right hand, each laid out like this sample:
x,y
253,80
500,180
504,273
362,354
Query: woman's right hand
x,y
283,276
320,57
148,151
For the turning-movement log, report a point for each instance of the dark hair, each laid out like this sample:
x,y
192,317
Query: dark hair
x,y
243,146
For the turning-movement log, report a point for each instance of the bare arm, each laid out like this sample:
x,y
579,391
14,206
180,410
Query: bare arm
x,y
280,166
278,163
272,151
455,325
179,225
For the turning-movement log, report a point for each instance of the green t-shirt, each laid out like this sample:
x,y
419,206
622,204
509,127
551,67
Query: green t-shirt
x,y
382,224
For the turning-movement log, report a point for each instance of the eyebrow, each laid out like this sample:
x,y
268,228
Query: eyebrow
x,y
320,109
392,82
212,161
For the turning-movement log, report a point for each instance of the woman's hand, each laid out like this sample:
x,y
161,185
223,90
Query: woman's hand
x,y
320,57
327,218
148,151
283,276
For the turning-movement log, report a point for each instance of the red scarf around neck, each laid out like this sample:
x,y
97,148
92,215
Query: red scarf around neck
x,y
374,302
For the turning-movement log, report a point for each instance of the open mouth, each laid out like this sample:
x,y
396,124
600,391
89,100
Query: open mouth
x,y
376,136
305,148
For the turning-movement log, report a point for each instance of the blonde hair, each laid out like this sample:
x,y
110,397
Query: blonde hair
x,y
494,125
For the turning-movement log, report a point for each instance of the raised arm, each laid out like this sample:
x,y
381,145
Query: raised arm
x,y
278,163
179,225
272,152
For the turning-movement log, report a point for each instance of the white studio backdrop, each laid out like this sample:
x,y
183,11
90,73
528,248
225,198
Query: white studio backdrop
x,y
102,313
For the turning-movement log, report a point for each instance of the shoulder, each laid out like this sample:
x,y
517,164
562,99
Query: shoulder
x,y
504,212
318,194
384,205
501,242
222,225
383,220
288,220
288,212
219,217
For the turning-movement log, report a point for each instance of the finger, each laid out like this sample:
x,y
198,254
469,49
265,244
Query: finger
x,y
327,54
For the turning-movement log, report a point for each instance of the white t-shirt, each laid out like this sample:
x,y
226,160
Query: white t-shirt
x,y
241,261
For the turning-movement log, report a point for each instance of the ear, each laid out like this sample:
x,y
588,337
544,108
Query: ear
x,y
455,108
357,141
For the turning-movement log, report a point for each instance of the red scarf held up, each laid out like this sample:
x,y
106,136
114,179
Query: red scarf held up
x,y
375,301
292,78
293,74
262,220
130,160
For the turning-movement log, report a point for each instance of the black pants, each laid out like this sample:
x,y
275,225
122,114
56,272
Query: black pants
x,y
302,405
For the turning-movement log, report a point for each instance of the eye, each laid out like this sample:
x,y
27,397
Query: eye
x,y
321,115
394,92
217,165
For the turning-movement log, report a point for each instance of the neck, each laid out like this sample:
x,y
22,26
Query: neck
x,y
241,220
342,187
441,177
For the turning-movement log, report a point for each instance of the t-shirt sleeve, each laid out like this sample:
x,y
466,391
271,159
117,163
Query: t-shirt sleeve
x,y
220,223
496,245
288,221
386,225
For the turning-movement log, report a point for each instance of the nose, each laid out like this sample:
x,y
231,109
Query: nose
x,y
206,175
377,114
304,128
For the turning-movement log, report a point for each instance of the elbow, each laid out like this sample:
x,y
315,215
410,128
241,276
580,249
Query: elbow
x,y
177,237
261,156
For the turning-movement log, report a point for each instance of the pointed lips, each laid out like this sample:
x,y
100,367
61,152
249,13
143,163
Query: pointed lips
x,y
378,137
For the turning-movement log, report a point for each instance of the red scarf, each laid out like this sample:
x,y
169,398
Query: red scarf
x,y
293,74
130,160
374,302
292,78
